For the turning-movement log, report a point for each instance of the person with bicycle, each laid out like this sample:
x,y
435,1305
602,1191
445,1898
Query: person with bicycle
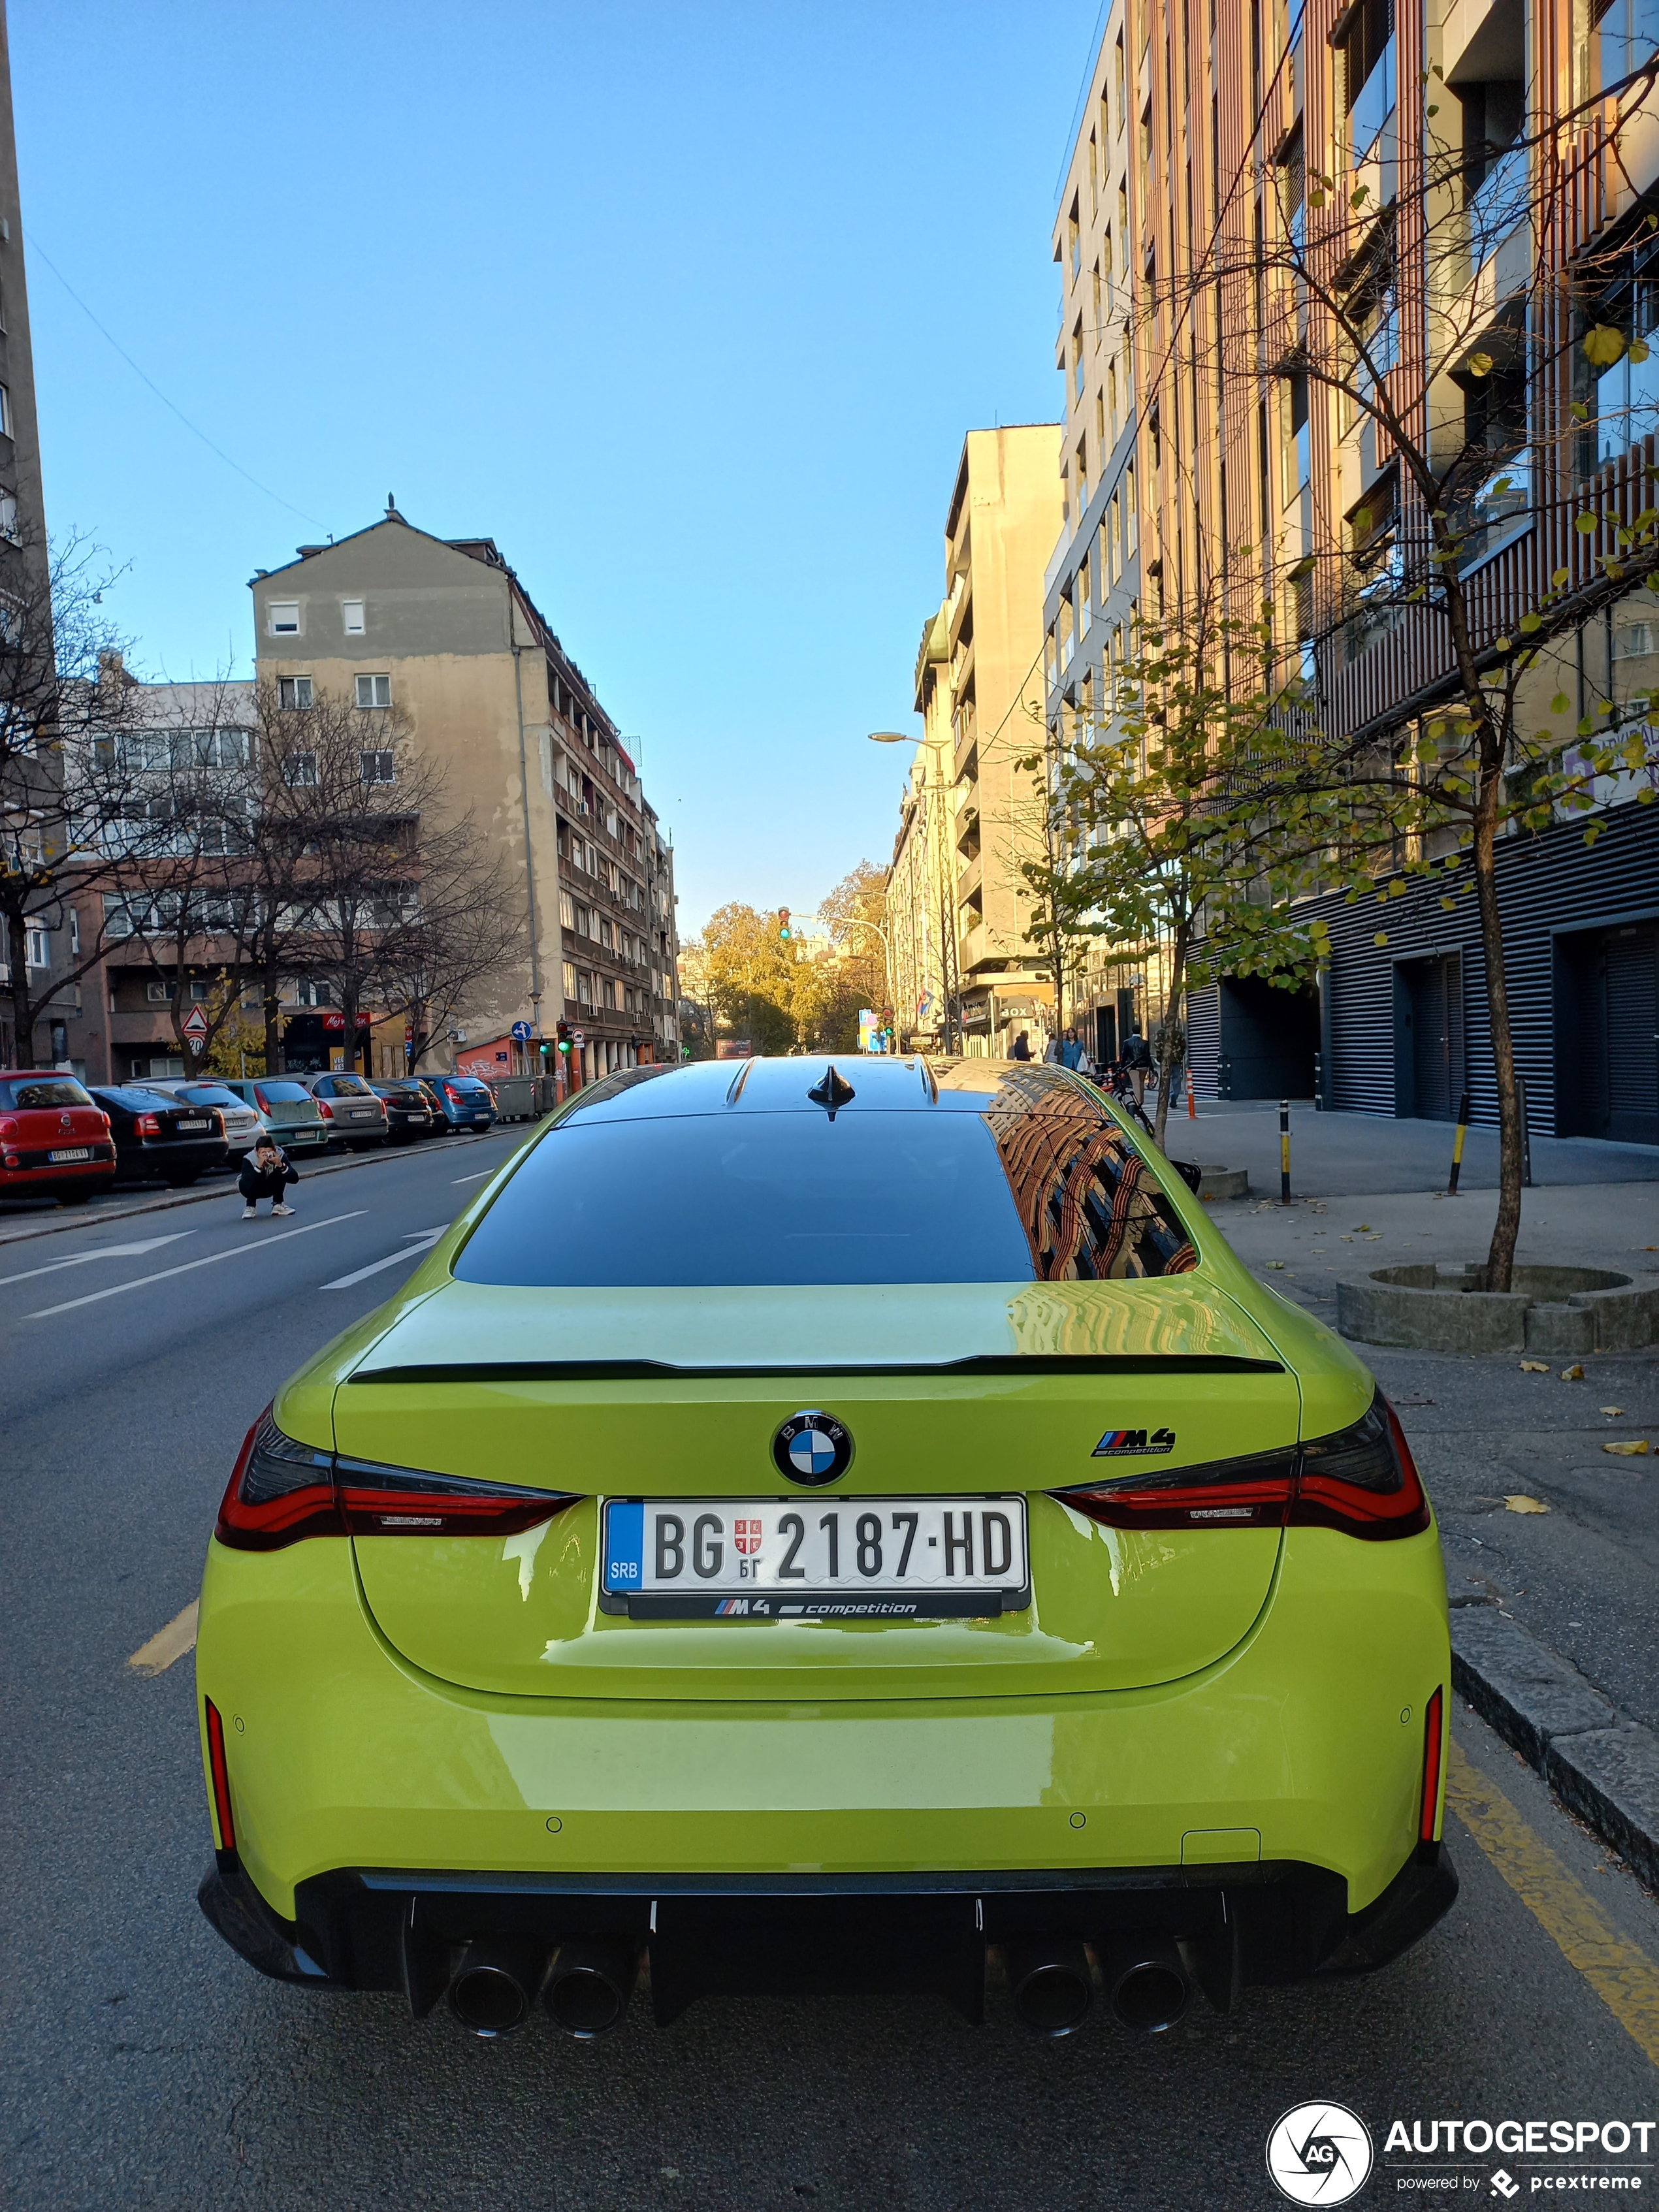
x,y
1137,1061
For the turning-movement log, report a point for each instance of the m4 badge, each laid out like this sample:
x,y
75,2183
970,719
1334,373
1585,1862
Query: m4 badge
x,y
1119,1443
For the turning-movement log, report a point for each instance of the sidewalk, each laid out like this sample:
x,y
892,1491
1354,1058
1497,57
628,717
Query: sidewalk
x,y
1551,1597
1356,1155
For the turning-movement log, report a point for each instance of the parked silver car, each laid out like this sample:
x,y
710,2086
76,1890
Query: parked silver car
x,y
287,1109
242,1124
356,1117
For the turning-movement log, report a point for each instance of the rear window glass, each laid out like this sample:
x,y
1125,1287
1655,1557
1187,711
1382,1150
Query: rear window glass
x,y
206,1094
351,1086
280,1094
42,1090
775,1199
133,1098
469,1083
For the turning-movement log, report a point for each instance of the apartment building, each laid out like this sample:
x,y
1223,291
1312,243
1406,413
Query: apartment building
x,y
1002,521
921,880
1482,191
445,629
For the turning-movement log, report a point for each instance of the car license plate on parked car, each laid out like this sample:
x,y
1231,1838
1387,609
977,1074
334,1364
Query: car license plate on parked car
x,y
76,1153
190,1125
815,1559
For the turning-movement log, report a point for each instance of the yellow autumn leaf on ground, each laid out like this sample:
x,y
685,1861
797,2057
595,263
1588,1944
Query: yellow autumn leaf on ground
x,y
1275,1263
1534,1367
1572,1374
1636,1448
1612,1412
1519,1502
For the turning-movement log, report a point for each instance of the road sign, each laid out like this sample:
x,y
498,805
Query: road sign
x,y
195,1023
576,1037
521,1031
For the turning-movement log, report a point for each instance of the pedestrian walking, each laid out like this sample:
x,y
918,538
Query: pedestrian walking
x,y
1051,1053
1137,1059
1071,1050
1021,1047
266,1173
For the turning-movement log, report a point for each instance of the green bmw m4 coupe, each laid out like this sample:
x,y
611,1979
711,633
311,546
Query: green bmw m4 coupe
x,y
817,1527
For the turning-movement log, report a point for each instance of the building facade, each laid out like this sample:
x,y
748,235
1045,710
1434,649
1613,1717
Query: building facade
x,y
922,881
446,630
1477,182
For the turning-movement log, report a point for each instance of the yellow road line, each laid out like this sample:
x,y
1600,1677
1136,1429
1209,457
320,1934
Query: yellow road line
x,y
1620,1972
166,1644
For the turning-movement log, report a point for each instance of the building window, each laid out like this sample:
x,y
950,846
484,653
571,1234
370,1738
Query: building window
x,y
74,929
351,614
374,690
161,994
285,618
377,768
294,691
9,529
567,910
5,412
299,771
569,979
36,952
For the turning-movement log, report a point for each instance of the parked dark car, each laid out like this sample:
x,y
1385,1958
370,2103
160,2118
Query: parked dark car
x,y
160,1138
54,1137
409,1111
356,1117
464,1102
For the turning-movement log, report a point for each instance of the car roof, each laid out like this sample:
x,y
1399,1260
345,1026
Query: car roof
x,y
879,1083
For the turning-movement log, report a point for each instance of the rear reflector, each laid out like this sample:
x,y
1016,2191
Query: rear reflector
x,y
1362,1480
219,1776
282,1490
1433,1759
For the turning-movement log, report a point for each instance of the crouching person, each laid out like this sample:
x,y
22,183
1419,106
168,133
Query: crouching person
x,y
267,1172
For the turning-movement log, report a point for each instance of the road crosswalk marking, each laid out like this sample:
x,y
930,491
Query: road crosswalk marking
x,y
419,1241
185,1266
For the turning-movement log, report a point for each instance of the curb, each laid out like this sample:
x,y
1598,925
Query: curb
x,y
78,1218
1603,1767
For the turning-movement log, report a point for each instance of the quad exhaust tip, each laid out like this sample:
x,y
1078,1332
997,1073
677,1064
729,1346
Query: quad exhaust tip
x,y
588,1985
1147,1985
492,1989
1053,1987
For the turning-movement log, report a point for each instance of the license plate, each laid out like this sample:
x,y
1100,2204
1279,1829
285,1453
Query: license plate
x,y
848,1558
77,1152
182,1126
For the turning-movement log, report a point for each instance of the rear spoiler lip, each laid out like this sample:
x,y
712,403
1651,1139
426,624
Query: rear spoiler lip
x,y
659,1370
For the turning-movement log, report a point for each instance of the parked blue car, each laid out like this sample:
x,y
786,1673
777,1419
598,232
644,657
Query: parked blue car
x,y
466,1102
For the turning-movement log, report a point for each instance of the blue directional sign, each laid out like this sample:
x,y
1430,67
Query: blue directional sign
x,y
521,1031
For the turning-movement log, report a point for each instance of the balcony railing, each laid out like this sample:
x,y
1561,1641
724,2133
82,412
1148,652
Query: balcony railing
x,y
1498,207
1495,509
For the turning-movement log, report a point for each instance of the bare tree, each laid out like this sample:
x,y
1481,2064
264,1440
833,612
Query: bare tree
x,y
64,782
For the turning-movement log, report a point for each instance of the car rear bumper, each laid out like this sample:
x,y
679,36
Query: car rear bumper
x,y
1232,1926
35,1172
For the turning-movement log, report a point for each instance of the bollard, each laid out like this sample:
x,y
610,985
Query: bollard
x,y
1457,1144
1284,1151
1319,1084
1191,1102
1526,1133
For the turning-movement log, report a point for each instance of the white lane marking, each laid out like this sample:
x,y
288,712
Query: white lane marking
x,y
104,1252
167,1644
235,1252
479,1178
419,1241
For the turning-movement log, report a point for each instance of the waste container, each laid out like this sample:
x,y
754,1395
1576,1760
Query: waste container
x,y
515,1097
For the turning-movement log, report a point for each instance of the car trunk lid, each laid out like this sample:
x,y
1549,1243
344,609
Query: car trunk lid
x,y
949,1391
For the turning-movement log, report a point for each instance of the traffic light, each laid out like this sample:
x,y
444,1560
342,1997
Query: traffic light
x,y
563,1037
783,925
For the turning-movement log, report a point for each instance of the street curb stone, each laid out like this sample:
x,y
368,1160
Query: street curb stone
x,y
1610,1778
1603,1768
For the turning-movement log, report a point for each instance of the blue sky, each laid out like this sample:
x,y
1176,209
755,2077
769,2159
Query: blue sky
x,y
689,307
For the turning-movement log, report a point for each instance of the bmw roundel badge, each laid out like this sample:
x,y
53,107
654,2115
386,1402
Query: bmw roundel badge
x,y
812,1449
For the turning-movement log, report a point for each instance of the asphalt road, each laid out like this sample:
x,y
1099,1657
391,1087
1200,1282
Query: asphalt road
x,y
143,2065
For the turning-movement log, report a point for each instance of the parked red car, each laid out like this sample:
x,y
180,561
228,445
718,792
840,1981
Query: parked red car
x,y
55,1140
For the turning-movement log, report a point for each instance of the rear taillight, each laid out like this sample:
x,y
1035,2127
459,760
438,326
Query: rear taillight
x,y
279,1491
1362,1480
7,1126
219,1776
324,1110
148,1125
282,1490
1434,1755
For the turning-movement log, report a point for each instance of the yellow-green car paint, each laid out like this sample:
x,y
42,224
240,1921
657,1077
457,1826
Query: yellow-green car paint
x,y
1171,1698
